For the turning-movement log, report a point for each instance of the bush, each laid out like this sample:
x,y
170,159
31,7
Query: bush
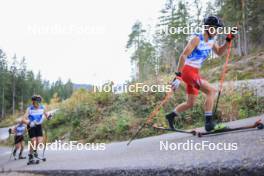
x,y
105,117
8,121
57,120
122,125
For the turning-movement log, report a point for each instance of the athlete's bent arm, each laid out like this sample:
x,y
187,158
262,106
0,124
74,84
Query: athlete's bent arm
x,y
220,50
187,51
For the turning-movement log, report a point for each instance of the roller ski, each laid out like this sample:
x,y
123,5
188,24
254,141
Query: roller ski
x,y
39,158
21,157
220,128
171,120
31,160
42,159
173,129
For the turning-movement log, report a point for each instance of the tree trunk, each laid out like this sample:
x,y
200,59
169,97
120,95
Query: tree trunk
x,y
3,103
13,97
244,28
22,103
239,45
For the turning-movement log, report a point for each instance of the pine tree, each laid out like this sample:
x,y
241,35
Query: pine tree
x,y
14,72
174,15
3,73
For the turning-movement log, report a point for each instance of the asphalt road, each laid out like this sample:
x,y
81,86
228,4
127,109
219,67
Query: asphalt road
x,y
4,133
147,156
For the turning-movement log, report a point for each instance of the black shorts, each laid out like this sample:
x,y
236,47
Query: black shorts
x,y
35,131
19,139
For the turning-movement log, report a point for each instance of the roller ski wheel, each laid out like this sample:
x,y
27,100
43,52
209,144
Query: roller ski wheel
x,y
42,159
21,157
32,162
260,126
199,134
193,132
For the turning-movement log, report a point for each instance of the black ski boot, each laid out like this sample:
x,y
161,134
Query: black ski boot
x,y
209,123
31,160
35,153
21,157
171,119
14,154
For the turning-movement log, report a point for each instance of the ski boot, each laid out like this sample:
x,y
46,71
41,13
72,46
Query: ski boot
x,y
31,160
35,153
211,126
21,157
37,157
171,119
14,154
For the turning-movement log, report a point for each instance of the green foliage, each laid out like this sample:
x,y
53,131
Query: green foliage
x,y
18,84
85,117
122,125
8,121
240,104
57,120
58,133
103,98
242,113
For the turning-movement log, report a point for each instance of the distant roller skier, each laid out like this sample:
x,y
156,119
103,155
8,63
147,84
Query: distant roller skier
x,y
34,118
19,131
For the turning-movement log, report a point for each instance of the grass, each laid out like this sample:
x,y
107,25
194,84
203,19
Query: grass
x,y
8,121
239,68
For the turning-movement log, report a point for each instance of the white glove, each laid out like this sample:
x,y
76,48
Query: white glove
x,y
175,84
32,124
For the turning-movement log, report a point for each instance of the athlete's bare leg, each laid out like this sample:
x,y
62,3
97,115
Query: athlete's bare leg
x,y
186,105
210,92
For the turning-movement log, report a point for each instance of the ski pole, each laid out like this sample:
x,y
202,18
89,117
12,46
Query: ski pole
x,y
12,151
13,144
14,147
46,138
152,115
223,76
